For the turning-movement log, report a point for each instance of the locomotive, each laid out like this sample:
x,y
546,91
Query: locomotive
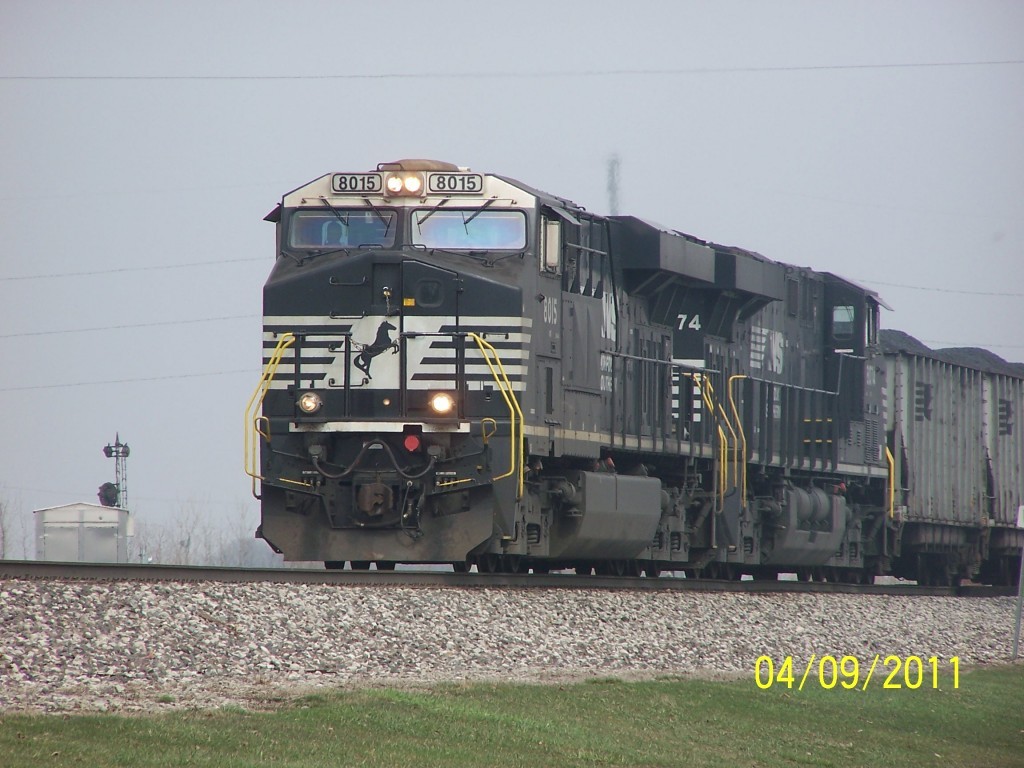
x,y
459,368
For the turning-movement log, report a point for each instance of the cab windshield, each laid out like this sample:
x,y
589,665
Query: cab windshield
x,y
477,229
342,228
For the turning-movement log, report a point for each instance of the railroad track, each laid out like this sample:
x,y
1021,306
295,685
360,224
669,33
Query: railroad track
x,y
31,569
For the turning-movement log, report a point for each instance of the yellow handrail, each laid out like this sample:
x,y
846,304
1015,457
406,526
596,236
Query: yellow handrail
x,y
723,466
892,481
735,469
518,461
713,407
739,426
707,392
252,421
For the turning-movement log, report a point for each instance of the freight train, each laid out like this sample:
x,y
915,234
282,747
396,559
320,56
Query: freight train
x,y
459,368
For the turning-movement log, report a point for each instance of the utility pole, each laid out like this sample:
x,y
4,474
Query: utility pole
x,y
613,184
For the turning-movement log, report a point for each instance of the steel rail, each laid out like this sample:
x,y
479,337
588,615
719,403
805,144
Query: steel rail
x,y
33,569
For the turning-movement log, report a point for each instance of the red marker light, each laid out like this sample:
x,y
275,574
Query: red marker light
x,y
412,443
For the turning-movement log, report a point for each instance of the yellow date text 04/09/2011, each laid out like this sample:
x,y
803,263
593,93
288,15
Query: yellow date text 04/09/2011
x,y
850,672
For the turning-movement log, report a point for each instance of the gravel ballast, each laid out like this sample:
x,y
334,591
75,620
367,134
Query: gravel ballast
x,y
130,646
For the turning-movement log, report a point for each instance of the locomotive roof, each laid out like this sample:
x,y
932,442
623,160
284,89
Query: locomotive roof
x,y
898,342
543,198
873,294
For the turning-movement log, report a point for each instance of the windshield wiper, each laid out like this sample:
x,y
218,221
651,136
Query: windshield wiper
x,y
431,212
385,221
477,212
335,211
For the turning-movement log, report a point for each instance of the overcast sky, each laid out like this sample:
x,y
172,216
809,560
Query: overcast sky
x,y
141,144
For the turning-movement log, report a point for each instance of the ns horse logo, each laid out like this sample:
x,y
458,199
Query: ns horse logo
x,y
381,344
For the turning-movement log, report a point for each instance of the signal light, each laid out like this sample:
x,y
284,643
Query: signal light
x,y
412,443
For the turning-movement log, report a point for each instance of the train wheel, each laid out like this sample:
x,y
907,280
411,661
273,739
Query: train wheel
x,y
489,563
385,565
541,568
803,574
652,571
584,570
334,565
724,571
513,564
360,565
612,568
925,572
1009,567
460,567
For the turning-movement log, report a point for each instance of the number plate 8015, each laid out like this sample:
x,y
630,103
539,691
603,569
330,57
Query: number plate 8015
x,y
455,183
342,183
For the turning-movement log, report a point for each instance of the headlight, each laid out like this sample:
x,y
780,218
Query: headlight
x,y
442,403
310,402
413,184
404,183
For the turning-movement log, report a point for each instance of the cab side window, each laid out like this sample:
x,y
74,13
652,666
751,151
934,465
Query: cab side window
x,y
843,321
550,246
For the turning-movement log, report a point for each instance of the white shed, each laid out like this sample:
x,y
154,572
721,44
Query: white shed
x,y
83,533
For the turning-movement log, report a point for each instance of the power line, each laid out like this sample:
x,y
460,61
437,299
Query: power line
x,y
135,325
128,269
933,289
127,381
526,75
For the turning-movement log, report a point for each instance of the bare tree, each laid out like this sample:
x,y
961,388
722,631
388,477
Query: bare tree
x,y
197,537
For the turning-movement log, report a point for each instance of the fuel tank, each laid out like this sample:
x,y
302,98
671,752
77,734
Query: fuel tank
x,y
604,515
809,527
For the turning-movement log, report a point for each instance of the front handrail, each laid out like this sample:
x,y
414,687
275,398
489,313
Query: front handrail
x,y
708,393
252,420
891,461
739,426
518,461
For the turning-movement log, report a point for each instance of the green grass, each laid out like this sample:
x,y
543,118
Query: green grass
x,y
604,722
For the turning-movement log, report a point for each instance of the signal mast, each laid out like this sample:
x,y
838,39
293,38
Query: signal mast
x,y
116,494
